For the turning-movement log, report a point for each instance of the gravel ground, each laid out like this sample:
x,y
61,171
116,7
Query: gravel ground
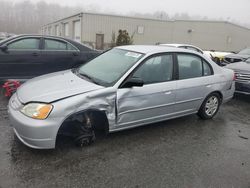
x,y
184,152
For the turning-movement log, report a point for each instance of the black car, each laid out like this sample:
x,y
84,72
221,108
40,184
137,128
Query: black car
x,y
26,56
241,56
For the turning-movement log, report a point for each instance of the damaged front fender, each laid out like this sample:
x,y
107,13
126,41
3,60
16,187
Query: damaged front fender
x,y
103,100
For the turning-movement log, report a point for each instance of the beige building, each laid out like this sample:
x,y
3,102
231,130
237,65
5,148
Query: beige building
x,y
97,30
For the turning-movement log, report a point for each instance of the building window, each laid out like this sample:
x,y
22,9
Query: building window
x,y
57,33
66,29
140,30
77,31
49,30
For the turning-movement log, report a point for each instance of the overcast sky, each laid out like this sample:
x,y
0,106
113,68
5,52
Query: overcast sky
x,y
226,9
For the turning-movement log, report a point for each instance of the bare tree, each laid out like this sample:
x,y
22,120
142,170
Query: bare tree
x,y
27,17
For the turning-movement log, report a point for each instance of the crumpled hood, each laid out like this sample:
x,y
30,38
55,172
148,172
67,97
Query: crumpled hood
x,y
240,67
53,87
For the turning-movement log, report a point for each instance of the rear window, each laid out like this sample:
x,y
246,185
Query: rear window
x,y
192,66
50,44
54,45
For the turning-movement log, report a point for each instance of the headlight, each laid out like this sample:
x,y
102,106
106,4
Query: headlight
x,y
37,110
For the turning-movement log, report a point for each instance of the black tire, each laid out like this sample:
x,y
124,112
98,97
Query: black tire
x,y
83,133
207,111
84,140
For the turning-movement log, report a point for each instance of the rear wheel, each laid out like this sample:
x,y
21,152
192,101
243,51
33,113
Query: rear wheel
x,y
210,106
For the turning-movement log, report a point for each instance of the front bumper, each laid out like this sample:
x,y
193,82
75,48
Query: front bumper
x,y
242,87
38,134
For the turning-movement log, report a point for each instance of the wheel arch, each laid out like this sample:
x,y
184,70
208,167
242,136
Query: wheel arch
x,y
99,118
219,93
216,91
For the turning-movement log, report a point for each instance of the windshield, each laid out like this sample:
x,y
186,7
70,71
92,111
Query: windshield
x,y
245,51
109,67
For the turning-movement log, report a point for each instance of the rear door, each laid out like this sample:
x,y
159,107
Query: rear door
x,y
58,55
22,59
194,83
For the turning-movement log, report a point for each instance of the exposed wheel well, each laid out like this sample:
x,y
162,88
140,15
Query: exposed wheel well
x,y
95,119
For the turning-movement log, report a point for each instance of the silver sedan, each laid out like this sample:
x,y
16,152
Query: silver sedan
x,y
123,88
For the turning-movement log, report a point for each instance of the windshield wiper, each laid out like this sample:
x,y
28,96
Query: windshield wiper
x,y
88,77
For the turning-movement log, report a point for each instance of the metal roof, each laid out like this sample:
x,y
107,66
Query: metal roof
x,y
151,19
148,49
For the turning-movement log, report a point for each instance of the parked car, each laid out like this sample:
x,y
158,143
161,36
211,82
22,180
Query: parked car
x,y
125,87
217,57
185,46
241,56
27,56
242,73
2,36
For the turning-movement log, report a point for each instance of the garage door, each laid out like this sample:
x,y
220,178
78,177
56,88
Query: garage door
x,y
77,31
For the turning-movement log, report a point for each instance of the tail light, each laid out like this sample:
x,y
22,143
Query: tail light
x,y
234,76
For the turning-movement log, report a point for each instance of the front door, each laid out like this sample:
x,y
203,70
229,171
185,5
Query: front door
x,y
152,102
21,60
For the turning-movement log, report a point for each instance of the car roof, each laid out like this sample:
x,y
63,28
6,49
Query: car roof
x,y
148,49
79,45
175,44
178,45
38,35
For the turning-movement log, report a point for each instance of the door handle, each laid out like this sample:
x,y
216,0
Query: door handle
x,y
35,54
208,85
75,54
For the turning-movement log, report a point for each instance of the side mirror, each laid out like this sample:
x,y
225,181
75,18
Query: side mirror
x,y
133,82
4,48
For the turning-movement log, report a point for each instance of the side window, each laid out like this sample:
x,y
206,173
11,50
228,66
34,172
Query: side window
x,y
70,47
189,66
156,69
50,44
27,44
207,69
